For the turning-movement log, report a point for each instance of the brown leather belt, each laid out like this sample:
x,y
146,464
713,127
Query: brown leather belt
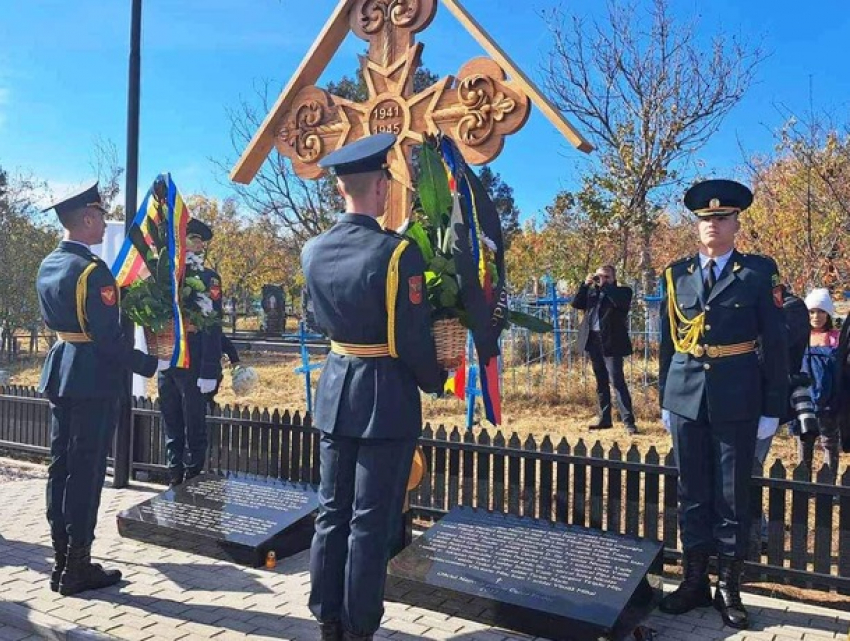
x,y
721,351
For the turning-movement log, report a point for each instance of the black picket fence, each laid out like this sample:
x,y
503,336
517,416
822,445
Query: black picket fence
x,y
808,523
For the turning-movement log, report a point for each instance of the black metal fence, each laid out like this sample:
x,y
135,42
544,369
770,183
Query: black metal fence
x,y
808,523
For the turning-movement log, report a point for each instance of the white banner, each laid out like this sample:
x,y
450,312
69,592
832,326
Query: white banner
x,y
108,251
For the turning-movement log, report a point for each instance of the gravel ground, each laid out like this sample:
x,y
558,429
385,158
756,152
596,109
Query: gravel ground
x,y
13,470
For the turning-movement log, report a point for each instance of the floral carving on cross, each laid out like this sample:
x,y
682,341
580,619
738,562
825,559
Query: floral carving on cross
x,y
477,108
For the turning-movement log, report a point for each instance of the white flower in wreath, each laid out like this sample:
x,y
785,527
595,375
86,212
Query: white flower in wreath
x,y
204,303
195,261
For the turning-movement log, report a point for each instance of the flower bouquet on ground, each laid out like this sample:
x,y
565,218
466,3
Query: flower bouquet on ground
x,y
153,265
457,228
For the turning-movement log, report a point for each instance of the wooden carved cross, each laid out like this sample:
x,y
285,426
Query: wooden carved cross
x,y
477,109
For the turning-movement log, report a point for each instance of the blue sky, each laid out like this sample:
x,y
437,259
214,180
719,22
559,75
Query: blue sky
x,y
63,79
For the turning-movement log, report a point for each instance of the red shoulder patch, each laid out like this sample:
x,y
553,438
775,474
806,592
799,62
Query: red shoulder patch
x,y
777,296
107,295
414,285
215,291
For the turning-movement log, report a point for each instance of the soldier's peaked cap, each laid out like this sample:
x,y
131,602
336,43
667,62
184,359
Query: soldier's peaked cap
x,y
196,228
361,156
76,200
718,198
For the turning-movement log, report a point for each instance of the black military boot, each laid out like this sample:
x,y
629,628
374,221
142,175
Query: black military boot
x,y
175,478
60,558
694,591
727,595
330,630
350,636
81,574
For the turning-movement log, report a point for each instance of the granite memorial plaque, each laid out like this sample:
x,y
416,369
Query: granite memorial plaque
x,y
237,518
549,580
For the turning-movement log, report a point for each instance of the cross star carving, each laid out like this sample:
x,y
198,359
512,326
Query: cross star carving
x,y
478,108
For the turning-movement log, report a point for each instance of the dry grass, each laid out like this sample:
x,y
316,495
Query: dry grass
x,y
559,405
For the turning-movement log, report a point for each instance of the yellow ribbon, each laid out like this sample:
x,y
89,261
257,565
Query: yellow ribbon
x,y
392,294
685,332
82,293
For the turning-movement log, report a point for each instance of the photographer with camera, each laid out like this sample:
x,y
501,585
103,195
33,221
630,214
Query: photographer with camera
x,y
604,334
814,393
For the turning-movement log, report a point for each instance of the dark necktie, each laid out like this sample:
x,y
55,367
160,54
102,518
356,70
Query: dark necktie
x,y
709,275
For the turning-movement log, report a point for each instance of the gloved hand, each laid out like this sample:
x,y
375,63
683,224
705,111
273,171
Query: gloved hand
x,y
665,420
767,427
162,365
206,385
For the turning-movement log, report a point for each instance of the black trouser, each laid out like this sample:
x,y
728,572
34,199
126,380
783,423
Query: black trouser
x,y
715,461
184,417
827,437
80,433
607,370
361,496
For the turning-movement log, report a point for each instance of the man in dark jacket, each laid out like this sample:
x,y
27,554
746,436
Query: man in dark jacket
x,y
604,334
183,392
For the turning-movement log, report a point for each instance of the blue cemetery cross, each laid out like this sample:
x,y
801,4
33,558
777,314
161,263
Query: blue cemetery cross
x,y
472,390
306,366
553,302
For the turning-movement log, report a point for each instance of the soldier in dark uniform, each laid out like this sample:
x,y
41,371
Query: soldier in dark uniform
x,y
368,292
183,393
723,383
83,376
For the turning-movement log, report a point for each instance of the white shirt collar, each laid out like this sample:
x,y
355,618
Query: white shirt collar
x,y
719,261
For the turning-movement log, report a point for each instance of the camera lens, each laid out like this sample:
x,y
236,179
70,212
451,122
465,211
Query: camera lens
x,y
804,407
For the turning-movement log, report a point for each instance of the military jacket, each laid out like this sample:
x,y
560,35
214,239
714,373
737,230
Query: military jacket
x,y
744,305
77,294
205,346
346,272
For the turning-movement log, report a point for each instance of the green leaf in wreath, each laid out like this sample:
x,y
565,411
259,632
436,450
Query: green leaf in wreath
x,y
438,264
418,235
450,285
532,323
195,283
447,298
433,186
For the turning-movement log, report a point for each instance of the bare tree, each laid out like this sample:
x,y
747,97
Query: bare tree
x,y
108,169
26,237
804,196
650,91
302,208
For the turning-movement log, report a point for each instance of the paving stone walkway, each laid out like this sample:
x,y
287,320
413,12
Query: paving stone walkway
x,y
170,595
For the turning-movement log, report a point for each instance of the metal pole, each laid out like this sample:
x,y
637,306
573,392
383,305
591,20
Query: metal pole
x,y
123,436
